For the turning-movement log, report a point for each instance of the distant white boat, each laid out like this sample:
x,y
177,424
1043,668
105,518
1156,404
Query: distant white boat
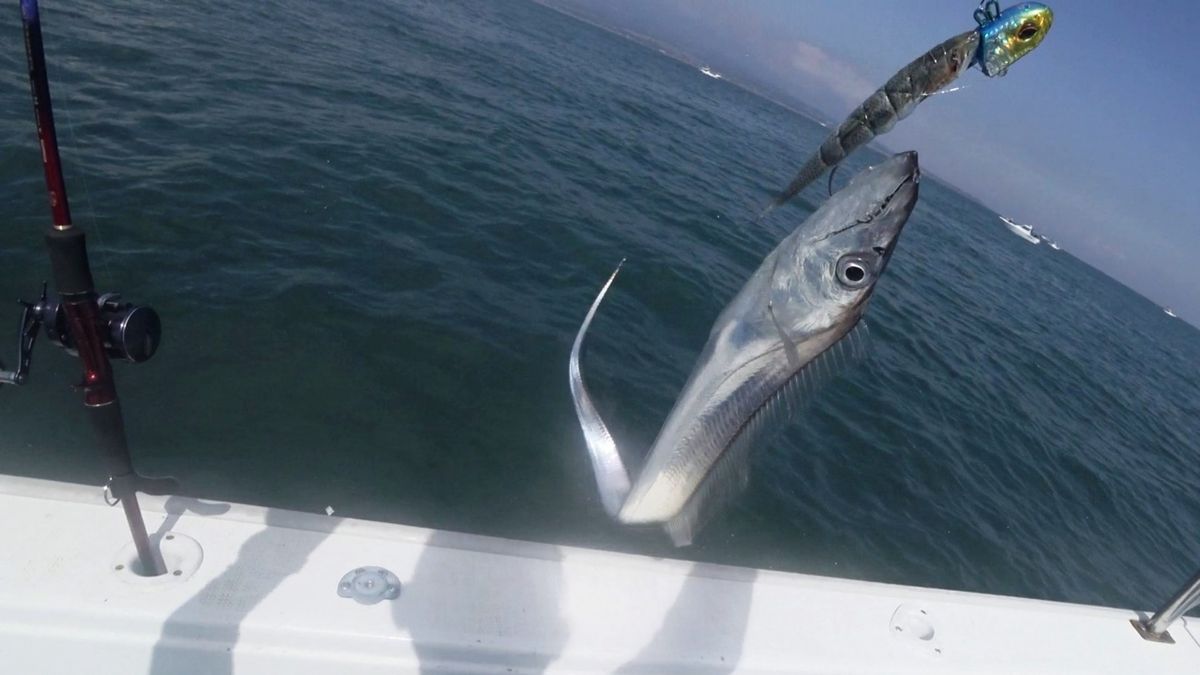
x,y
1055,246
1169,312
1023,231
710,72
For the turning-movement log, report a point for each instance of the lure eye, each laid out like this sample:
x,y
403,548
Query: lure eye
x,y
853,271
1027,31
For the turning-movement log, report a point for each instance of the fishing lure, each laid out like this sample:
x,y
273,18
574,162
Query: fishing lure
x,y
1000,40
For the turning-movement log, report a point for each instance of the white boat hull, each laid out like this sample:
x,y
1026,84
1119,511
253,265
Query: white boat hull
x,y
263,599
1022,232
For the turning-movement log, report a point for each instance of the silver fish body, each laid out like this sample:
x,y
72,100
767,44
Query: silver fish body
x,y
808,294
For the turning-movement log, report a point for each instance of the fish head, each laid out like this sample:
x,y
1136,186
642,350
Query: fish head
x,y
825,275
1017,31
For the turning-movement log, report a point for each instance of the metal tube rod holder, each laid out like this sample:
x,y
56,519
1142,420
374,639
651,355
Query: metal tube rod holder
x,y
1155,628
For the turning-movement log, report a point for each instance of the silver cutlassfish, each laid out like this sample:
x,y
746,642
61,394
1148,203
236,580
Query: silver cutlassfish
x,y
999,41
788,326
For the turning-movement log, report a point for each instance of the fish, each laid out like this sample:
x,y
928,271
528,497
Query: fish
x,y
796,317
1000,40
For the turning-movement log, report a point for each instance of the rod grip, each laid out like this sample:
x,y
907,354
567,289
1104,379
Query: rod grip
x,y
69,261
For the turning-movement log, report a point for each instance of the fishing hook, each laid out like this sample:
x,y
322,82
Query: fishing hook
x,y
988,11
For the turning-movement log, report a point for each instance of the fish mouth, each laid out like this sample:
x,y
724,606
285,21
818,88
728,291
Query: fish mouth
x,y
886,194
900,176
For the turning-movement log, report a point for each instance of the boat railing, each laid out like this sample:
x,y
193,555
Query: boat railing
x,y
1185,599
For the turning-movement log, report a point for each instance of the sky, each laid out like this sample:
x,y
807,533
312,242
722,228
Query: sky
x,y
1093,138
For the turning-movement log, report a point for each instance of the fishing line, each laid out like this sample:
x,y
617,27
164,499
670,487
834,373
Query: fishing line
x,y
88,205
950,90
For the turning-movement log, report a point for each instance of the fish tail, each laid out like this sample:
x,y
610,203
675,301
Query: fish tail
x,y
612,479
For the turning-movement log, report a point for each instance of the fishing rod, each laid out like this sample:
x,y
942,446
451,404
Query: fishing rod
x,y
87,325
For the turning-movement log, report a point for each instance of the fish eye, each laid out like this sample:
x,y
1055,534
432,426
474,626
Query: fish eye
x,y
853,271
1027,30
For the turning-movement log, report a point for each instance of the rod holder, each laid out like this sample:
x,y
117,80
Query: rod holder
x,y
1155,628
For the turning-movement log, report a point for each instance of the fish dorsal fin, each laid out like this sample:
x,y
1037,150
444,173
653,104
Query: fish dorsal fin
x,y
731,473
611,477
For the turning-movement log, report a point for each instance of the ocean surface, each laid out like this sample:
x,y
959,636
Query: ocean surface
x,y
373,229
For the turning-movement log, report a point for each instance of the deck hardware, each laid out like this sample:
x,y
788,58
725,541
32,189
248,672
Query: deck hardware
x,y
181,558
1155,628
1163,637
915,628
369,585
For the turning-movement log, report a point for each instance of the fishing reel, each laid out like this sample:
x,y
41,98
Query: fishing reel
x,y
130,332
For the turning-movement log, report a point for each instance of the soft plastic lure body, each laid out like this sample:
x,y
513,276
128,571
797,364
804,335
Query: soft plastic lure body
x,y
1001,39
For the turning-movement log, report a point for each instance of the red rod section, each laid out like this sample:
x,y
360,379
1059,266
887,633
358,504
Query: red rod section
x,y
39,85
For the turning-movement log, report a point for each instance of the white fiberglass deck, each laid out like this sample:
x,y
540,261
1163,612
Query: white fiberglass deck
x,y
263,599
